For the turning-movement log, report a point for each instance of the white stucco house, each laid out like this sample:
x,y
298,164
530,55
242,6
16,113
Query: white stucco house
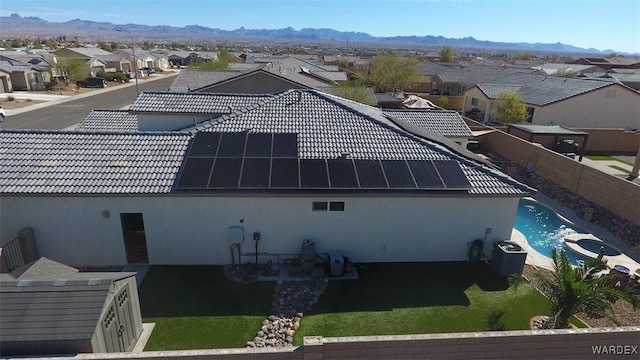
x,y
290,166
554,100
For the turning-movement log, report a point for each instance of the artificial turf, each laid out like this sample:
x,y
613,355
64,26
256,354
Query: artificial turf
x,y
196,307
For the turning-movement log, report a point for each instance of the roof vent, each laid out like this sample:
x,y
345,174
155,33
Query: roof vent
x,y
59,282
345,155
299,96
230,109
49,163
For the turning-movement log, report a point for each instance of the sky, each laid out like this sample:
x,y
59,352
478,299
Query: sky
x,y
599,24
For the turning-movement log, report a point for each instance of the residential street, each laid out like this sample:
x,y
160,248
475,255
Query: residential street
x,y
69,111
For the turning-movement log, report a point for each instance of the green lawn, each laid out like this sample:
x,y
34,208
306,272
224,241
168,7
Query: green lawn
x,y
195,307
416,298
606,158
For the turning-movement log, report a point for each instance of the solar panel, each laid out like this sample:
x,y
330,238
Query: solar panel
x,y
226,172
195,174
232,144
342,174
285,145
313,174
370,174
255,173
398,174
425,174
452,174
258,145
284,173
205,144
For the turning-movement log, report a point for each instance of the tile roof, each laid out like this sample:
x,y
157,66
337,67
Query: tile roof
x,y
445,122
543,89
327,128
55,162
193,102
109,120
477,74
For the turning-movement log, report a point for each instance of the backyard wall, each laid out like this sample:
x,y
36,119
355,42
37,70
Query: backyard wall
x,y
607,191
621,342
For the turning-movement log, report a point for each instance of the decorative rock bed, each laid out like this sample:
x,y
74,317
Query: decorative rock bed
x,y
290,300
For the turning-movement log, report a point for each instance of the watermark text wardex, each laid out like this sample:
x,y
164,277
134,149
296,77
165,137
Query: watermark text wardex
x,y
614,349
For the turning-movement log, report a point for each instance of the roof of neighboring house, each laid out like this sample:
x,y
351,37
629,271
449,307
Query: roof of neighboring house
x,y
554,68
50,306
89,52
432,68
542,89
188,80
55,162
328,127
15,66
477,74
193,102
109,120
445,122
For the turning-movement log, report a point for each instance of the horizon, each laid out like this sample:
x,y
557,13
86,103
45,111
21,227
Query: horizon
x,y
485,20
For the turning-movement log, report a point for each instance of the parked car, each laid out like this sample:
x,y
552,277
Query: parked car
x,y
148,70
2,114
92,82
125,73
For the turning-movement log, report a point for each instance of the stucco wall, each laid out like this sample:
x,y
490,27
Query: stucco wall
x,y
193,230
610,107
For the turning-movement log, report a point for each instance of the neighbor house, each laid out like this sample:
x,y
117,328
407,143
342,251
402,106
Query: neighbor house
x,y
554,100
92,57
282,168
24,76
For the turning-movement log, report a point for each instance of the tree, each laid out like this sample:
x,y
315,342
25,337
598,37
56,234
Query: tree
x,y
390,72
356,92
446,54
525,56
508,108
73,68
577,289
221,63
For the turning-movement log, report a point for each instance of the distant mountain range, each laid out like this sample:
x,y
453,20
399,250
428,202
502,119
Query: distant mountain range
x,y
15,26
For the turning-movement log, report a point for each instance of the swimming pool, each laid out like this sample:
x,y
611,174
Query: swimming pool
x,y
544,229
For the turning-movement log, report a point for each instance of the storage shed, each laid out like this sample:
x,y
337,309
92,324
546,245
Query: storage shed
x,y
49,308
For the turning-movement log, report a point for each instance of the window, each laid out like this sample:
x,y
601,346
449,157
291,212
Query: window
x,y
330,206
336,206
530,111
474,101
319,206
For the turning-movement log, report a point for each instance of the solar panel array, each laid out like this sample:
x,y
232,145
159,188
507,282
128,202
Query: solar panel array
x,y
270,161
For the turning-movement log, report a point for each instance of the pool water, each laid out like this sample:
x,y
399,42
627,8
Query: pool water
x,y
545,230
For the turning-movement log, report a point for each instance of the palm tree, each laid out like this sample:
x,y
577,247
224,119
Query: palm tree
x,y
577,289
